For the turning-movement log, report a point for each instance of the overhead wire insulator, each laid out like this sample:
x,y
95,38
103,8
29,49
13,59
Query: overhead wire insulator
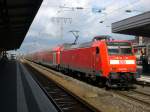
x,y
79,8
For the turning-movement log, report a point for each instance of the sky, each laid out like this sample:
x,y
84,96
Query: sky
x,y
56,18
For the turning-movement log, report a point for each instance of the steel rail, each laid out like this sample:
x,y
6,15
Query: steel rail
x,y
132,98
64,101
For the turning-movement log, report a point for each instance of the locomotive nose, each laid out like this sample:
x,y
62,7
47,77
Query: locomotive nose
x,y
122,69
122,65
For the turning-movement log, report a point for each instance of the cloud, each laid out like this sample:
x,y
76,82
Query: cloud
x,y
47,33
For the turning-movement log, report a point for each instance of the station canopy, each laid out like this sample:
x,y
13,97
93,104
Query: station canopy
x,y
137,25
16,17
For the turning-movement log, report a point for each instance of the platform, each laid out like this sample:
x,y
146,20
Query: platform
x,y
138,25
19,92
144,78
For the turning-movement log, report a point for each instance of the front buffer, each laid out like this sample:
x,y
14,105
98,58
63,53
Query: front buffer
x,y
122,73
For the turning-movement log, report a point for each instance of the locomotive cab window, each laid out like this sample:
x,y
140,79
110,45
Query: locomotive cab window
x,y
97,50
119,48
113,50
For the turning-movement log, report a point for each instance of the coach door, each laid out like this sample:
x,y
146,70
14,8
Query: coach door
x,y
54,58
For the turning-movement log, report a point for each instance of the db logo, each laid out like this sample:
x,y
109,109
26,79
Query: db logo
x,y
122,62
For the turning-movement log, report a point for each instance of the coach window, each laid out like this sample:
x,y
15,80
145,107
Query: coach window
x,y
97,50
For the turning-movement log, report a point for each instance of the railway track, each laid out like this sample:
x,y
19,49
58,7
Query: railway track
x,y
142,83
144,93
62,100
137,96
133,91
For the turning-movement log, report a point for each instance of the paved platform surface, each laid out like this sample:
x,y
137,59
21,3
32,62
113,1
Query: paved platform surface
x,y
19,92
144,78
8,88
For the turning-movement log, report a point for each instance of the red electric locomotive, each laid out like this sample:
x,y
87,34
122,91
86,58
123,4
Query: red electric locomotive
x,y
109,61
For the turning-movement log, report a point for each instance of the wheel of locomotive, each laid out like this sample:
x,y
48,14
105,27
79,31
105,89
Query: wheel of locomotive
x,y
58,68
108,84
78,75
66,71
87,78
82,76
101,81
95,80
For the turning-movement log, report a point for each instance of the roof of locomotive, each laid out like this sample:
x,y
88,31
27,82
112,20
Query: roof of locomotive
x,y
118,41
82,45
92,43
101,37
